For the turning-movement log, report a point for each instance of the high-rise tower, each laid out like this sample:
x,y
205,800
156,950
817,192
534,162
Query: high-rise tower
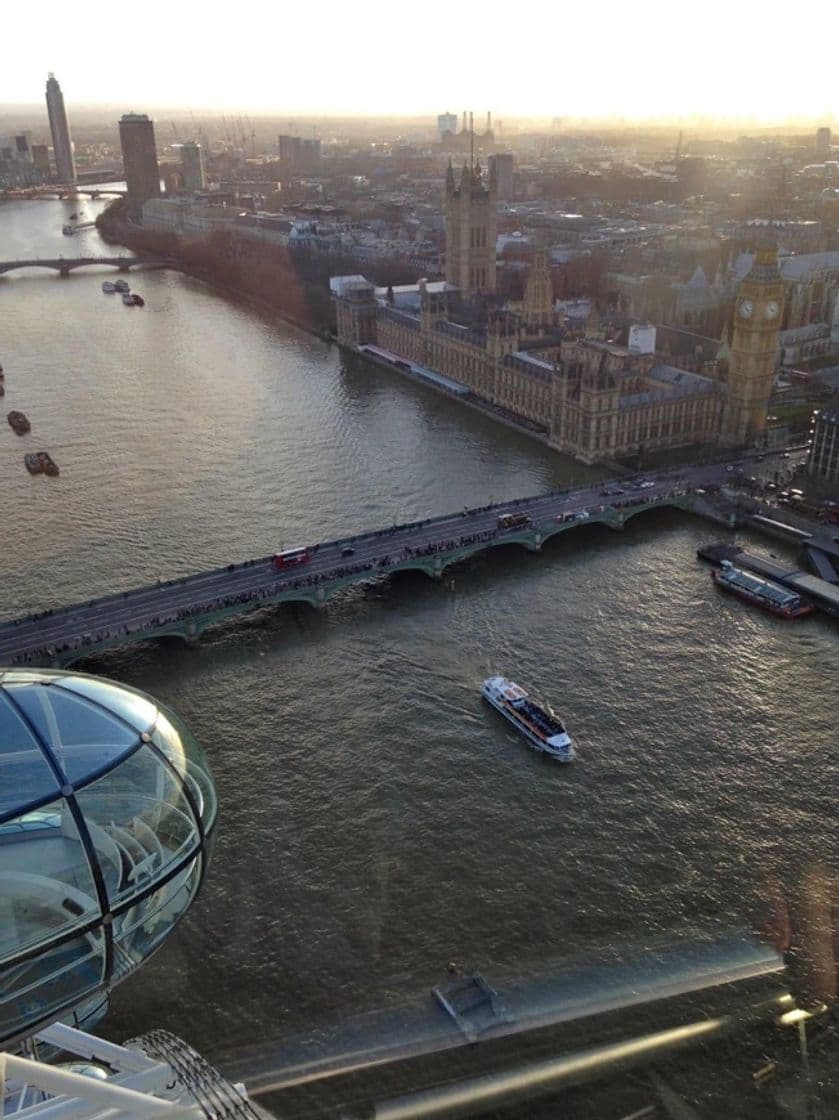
x,y
754,344
139,158
470,231
62,145
192,165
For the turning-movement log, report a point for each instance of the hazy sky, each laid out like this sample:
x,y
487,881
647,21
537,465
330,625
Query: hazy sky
x,y
627,58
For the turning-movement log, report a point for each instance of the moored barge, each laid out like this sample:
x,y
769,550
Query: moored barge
x,y
763,593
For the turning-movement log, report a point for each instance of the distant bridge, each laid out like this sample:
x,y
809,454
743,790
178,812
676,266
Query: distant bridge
x,y
59,190
65,265
184,608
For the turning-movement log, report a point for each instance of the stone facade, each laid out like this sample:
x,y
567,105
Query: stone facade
x,y
758,310
609,402
593,398
470,231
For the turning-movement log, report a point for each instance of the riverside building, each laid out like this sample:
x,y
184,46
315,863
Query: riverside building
x,y
192,166
823,459
139,157
591,396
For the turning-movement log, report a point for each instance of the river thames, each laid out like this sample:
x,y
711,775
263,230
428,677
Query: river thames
x,y
377,821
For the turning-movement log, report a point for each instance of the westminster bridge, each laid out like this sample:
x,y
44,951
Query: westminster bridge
x,y
185,607
65,265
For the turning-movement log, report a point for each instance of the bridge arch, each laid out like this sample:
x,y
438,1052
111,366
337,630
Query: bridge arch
x,y
15,266
667,503
65,265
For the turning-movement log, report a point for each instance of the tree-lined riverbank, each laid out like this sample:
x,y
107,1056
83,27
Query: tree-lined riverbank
x,y
293,283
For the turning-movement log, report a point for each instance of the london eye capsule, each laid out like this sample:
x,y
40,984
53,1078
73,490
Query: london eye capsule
x,y
107,809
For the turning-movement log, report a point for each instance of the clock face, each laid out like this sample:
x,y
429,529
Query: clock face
x,y
746,309
772,309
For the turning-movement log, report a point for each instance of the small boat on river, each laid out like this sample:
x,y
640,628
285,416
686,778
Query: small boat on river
x,y
538,723
18,422
48,465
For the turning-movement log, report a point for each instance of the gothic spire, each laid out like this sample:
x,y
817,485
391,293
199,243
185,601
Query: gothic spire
x,y
724,350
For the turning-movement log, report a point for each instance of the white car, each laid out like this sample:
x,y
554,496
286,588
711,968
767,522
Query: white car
x,y
646,485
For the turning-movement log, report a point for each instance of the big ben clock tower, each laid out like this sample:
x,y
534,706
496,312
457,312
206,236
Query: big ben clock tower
x,y
754,345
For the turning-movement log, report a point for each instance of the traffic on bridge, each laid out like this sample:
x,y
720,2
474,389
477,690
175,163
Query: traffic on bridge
x,y
185,607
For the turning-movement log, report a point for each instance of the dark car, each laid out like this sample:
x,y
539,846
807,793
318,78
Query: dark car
x,y
347,551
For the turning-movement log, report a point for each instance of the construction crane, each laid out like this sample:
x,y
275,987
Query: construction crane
x,y
175,131
253,136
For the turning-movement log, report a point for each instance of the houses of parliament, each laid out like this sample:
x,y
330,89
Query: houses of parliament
x,y
592,396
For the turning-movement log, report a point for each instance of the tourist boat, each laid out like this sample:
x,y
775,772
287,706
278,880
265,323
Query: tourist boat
x,y
128,299
108,286
138,301
121,286
19,422
543,729
33,463
47,463
769,596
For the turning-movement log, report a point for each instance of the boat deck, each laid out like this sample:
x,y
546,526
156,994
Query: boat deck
x,y
824,595
546,723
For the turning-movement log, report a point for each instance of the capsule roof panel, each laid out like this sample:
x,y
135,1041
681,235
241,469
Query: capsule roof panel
x,y
107,807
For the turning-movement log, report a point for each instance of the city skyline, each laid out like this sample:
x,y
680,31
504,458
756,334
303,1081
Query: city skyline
x,y
639,71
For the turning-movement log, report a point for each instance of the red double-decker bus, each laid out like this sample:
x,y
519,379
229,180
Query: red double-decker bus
x,y
290,557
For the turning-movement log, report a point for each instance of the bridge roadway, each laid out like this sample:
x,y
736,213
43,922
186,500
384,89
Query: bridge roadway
x,y
185,607
65,265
